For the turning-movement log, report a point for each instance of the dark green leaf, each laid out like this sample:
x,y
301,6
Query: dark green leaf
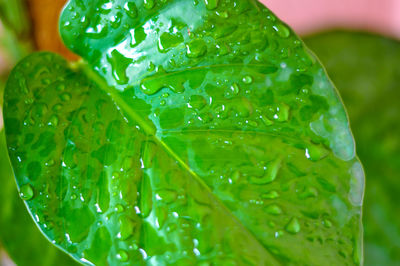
x,y
365,68
19,235
163,149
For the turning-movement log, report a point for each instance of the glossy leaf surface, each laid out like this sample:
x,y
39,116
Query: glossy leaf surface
x,y
365,69
196,132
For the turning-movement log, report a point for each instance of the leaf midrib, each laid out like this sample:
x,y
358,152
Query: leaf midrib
x,y
150,131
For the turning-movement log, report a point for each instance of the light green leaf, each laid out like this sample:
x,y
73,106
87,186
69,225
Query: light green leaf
x,y
365,68
193,132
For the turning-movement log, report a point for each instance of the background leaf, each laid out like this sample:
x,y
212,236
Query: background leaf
x,y
365,69
198,131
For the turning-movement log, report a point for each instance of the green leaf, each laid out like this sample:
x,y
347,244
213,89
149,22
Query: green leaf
x,y
365,68
193,132
19,235
15,37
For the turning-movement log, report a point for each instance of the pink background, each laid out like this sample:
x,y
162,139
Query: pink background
x,y
307,16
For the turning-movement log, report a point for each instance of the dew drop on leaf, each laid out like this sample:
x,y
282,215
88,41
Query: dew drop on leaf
x,y
273,209
131,9
247,79
168,40
211,4
53,121
26,192
293,226
119,65
65,96
149,4
279,112
270,195
196,48
282,30
197,102
122,255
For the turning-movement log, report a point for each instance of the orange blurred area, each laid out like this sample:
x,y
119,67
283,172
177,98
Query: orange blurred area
x,y
45,14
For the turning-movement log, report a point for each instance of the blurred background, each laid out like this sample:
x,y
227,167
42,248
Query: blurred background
x,y
356,40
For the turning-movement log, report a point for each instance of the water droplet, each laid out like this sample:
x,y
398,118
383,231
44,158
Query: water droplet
x,y
266,121
327,223
273,209
279,112
232,90
149,4
205,117
211,4
309,192
222,14
196,48
46,81
270,174
26,192
97,32
235,88
293,226
53,121
138,36
50,162
122,255
115,21
168,40
247,79
282,30
163,102
60,87
119,208
57,107
315,152
223,49
279,233
197,102
167,196
107,6
273,194
119,64
252,123
22,84
65,96
131,9
39,109
126,228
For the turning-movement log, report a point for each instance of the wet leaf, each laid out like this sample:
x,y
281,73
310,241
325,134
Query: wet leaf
x,y
19,235
192,132
365,68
